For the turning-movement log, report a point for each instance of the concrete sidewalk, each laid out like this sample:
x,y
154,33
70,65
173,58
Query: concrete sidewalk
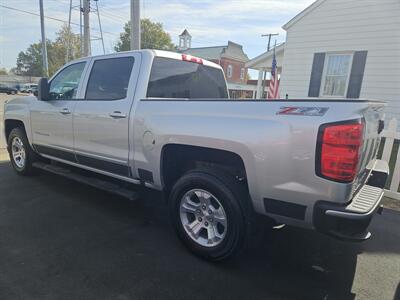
x,y
4,155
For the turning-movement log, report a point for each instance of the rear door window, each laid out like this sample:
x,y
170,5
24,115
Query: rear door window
x,y
109,79
172,78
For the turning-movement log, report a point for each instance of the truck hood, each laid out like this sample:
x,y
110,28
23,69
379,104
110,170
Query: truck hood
x,y
20,100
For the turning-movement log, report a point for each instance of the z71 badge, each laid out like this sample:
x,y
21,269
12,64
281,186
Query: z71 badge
x,y
303,111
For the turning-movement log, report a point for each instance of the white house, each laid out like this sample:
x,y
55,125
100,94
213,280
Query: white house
x,y
341,48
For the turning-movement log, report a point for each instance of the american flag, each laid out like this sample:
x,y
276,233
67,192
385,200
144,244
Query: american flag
x,y
273,89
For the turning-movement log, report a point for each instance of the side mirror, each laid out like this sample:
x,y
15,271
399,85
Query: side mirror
x,y
43,90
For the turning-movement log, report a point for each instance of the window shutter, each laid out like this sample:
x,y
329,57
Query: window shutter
x,y
357,74
316,75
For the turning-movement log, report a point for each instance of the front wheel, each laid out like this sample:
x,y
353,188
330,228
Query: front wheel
x,y
21,154
208,209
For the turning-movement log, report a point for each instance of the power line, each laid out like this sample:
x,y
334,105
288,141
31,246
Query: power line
x,y
114,17
51,18
105,14
111,17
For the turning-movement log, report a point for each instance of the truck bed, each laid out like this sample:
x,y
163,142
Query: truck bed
x,y
278,148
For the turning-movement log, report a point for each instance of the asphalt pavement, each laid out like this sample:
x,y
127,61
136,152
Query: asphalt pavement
x,y
63,240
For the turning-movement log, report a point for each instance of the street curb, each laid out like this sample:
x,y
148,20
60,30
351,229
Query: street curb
x,y
391,204
4,155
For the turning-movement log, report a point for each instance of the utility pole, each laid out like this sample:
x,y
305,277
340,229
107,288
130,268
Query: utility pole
x,y
44,46
69,32
80,26
269,35
86,28
135,24
85,38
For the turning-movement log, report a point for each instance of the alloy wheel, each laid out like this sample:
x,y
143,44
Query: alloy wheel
x,y
203,217
18,152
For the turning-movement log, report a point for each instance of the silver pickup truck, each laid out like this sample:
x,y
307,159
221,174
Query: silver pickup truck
x,y
164,120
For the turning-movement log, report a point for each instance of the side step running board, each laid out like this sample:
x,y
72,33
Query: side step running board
x,y
91,181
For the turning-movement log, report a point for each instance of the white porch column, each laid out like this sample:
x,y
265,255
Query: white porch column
x,y
259,84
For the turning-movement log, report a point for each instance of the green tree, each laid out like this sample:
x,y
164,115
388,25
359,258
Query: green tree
x,y
3,71
152,36
58,55
29,62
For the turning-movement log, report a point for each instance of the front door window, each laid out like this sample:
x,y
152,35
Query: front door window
x,y
65,85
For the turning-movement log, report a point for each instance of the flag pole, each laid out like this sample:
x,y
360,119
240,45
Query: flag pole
x,y
272,89
276,76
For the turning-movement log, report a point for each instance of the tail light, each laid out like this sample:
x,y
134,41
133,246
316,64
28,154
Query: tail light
x,y
190,58
339,149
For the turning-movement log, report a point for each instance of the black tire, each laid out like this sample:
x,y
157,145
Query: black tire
x,y
30,155
234,199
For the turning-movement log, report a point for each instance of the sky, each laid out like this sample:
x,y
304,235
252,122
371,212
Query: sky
x,y
210,22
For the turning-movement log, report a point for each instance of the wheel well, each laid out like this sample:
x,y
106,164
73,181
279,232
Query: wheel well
x,y
178,159
11,124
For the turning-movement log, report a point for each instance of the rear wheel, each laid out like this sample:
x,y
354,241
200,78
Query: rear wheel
x,y
21,154
209,214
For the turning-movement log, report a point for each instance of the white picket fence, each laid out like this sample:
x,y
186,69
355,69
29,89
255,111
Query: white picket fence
x,y
391,134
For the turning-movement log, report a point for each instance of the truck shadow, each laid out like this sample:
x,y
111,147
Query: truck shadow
x,y
300,263
107,238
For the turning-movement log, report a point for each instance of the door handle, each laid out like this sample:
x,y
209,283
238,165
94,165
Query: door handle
x,y
65,111
117,115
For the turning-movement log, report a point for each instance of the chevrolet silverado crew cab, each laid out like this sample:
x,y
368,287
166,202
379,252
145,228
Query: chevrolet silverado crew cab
x,y
164,120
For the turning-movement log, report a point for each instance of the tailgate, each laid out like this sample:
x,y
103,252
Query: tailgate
x,y
373,118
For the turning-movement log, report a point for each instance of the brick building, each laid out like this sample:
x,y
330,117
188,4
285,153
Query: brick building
x,y
230,57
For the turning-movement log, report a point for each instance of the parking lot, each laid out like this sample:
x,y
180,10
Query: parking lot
x,y
63,240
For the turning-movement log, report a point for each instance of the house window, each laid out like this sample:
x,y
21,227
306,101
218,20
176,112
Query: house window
x,y
229,71
336,75
242,73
